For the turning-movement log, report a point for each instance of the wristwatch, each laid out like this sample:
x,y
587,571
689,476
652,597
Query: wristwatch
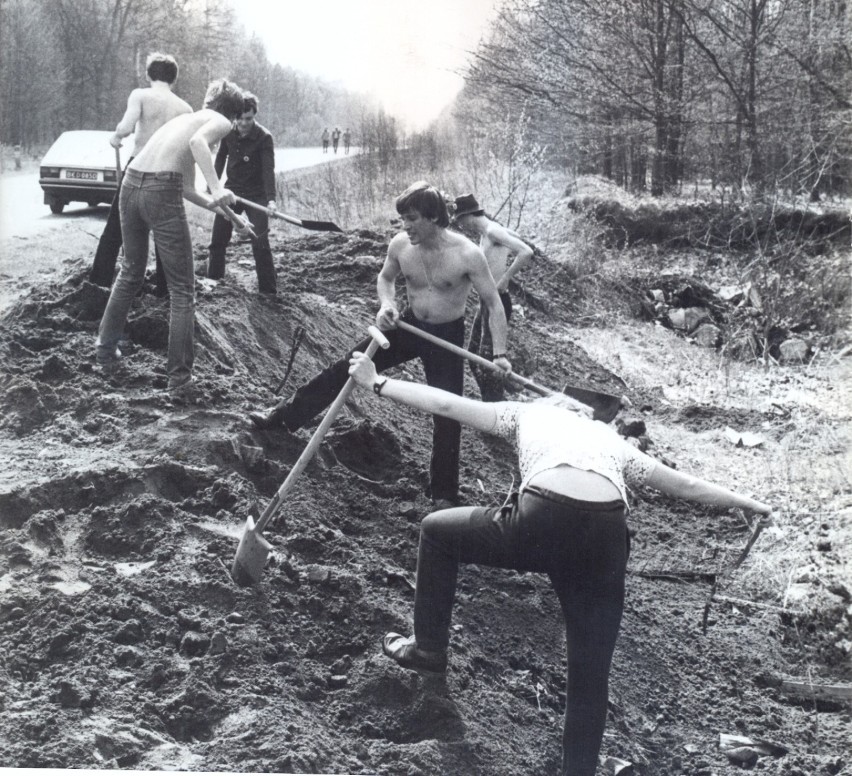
x,y
498,355
379,384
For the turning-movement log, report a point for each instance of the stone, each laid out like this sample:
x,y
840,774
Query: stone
x,y
794,351
708,335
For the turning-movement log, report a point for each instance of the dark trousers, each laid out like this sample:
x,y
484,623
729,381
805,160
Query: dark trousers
x,y
443,370
263,263
490,384
582,546
109,245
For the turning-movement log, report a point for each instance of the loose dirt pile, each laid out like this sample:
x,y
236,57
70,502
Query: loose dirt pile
x,y
125,644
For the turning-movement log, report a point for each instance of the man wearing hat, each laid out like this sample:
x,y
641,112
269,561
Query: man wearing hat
x,y
498,244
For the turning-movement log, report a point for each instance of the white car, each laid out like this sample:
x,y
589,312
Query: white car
x,y
81,166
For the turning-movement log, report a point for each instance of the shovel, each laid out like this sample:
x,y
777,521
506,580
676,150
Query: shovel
x,y
605,406
119,174
253,549
316,226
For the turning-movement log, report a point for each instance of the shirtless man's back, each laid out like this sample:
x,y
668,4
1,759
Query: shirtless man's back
x,y
153,106
147,110
151,202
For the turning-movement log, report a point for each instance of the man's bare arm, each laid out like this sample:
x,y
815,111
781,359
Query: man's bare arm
x,y
386,288
200,143
485,286
129,120
692,488
523,253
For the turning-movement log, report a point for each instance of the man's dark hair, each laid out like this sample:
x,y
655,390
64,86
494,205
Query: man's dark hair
x,y
426,200
224,97
161,67
249,102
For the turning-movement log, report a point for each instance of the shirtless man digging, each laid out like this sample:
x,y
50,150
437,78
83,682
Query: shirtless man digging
x,y
151,201
147,110
440,268
499,245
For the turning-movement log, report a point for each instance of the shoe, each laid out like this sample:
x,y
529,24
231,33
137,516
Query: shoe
x,y
406,654
184,392
108,364
272,418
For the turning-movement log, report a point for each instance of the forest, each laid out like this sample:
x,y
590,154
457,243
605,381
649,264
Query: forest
x,y
70,64
746,96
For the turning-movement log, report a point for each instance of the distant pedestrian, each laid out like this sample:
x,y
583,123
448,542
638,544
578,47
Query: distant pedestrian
x,y
568,520
499,244
249,151
335,138
325,140
347,137
151,201
147,110
17,152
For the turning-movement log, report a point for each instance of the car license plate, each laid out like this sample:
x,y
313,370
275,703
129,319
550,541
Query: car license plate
x,y
81,175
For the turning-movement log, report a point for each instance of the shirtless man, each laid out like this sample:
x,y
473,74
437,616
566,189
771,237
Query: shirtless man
x,y
151,200
147,110
440,268
498,244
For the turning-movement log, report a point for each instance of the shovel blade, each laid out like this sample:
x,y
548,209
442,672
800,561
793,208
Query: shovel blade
x,y
320,226
604,405
252,552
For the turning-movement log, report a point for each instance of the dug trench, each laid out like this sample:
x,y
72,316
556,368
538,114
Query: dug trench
x,y
124,642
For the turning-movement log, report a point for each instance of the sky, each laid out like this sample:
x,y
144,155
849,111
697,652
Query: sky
x,y
406,54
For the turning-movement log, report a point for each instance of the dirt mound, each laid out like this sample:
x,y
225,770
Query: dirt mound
x,y
125,643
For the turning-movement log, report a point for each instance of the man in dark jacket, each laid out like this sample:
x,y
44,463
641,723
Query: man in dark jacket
x,y
250,155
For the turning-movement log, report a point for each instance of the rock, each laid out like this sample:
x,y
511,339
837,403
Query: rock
x,y
218,644
319,574
129,633
69,696
194,644
336,681
688,318
742,755
60,643
631,427
253,458
408,509
794,351
235,618
708,335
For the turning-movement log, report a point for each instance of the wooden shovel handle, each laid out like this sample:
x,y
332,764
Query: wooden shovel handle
x,y
539,389
315,441
269,211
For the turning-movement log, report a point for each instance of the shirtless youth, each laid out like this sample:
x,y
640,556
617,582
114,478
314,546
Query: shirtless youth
x,y
506,254
439,268
151,201
147,110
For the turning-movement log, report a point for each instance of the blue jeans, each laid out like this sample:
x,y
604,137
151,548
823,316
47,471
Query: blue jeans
x,y
263,263
152,202
582,546
109,245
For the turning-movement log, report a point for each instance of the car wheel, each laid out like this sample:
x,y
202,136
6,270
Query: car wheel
x,y
56,206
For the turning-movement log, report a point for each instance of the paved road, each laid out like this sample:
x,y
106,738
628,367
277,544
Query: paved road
x,y
34,242
24,214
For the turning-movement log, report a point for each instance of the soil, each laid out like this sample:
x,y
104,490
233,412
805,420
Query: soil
x,y
125,644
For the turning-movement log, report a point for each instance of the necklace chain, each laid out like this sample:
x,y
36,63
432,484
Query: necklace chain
x,y
428,276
